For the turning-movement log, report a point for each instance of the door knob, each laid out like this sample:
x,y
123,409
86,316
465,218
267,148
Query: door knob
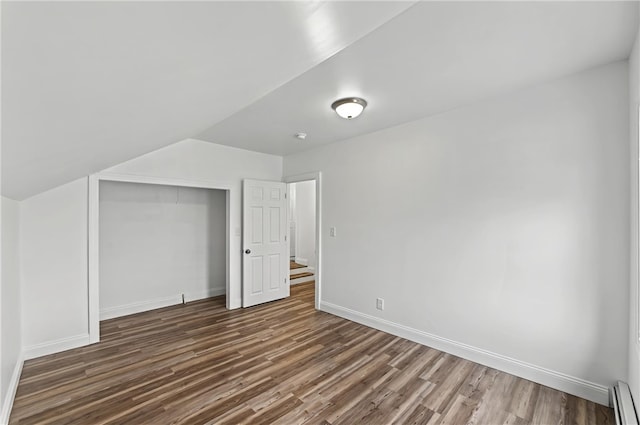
x,y
247,251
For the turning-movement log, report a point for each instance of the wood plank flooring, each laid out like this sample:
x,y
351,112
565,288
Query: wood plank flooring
x,y
278,363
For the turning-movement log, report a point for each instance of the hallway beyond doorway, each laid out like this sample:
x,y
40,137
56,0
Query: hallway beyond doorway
x,y
299,273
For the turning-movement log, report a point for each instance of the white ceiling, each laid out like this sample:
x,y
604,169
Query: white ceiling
x,y
88,85
432,58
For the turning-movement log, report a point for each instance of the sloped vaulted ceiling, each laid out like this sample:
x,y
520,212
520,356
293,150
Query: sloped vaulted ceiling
x,y
86,85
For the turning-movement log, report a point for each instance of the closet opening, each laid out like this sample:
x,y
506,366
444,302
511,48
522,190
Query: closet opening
x,y
160,245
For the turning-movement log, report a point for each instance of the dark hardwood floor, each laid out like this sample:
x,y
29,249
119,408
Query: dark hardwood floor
x,y
278,363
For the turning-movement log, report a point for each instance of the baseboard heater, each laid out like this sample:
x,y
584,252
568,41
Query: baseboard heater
x,y
623,406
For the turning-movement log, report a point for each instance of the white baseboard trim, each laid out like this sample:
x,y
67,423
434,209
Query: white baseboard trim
x,y
56,346
7,403
302,261
560,381
211,292
139,307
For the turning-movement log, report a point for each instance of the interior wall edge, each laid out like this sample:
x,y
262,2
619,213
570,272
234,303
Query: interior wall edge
x,y
7,403
592,391
633,351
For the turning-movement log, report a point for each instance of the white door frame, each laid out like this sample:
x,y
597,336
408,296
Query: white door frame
x,y
317,177
94,233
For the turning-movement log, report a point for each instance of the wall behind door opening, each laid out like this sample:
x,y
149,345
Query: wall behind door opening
x,y
291,214
157,243
303,214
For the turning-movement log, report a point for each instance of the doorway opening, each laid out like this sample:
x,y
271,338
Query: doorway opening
x,y
304,223
302,231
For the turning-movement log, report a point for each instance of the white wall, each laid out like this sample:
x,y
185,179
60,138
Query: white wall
x,y
634,318
291,214
157,243
53,240
501,227
11,314
305,212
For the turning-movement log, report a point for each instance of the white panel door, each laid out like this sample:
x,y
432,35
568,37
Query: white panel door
x,y
265,265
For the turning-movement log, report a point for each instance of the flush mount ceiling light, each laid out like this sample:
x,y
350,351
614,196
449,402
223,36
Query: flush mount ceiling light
x,y
349,107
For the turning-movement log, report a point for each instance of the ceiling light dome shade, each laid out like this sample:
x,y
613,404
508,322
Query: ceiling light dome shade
x,y
350,107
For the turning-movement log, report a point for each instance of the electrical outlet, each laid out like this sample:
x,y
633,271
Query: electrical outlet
x,y
380,303
332,232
